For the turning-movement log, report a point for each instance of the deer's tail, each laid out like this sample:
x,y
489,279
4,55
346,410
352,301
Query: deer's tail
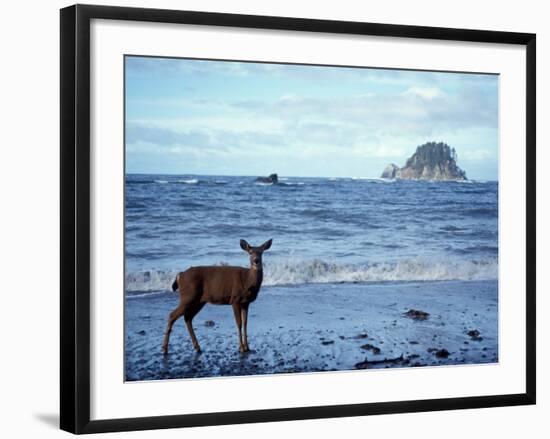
x,y
175,284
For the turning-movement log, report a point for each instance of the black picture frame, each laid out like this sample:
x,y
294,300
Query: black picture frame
x,y
75,217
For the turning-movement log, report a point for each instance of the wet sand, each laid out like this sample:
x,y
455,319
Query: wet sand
x,y
320,327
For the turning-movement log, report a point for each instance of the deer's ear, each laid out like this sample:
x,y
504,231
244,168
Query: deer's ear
x,y
244,245
266,245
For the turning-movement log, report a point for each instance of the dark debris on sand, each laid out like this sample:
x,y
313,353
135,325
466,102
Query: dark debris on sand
x,y
416,314
475,335
367,363
369,347
442,353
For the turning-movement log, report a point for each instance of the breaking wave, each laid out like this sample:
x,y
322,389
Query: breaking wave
x,y
319,271
292,272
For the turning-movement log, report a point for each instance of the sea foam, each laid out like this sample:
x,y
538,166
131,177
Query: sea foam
x,y
299,272
189,181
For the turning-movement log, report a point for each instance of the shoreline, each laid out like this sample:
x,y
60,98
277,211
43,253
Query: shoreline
x,y
320,327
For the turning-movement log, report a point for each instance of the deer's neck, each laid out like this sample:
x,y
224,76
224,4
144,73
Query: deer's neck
x,y
255,277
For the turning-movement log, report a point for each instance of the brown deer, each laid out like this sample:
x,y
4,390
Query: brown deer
x,y
220,285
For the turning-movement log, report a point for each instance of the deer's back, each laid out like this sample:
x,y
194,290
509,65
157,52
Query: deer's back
x,y
213,284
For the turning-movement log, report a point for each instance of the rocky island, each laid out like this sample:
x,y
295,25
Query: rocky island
x,y
271,179
431,161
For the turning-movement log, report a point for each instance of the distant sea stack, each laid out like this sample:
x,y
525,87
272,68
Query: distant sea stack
x,y
273,179
391,171
431,161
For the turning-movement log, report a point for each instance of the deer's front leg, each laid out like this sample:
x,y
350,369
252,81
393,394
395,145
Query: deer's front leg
x,y
244,316
238,320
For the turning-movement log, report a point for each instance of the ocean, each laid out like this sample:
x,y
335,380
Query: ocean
x,y
324,230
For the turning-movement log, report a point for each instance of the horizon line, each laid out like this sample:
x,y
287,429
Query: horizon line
x,y
291,176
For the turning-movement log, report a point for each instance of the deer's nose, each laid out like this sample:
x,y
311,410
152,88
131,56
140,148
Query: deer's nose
x,y
256,260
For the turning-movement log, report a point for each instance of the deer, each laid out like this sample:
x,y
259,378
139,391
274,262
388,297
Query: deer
x,y
218,285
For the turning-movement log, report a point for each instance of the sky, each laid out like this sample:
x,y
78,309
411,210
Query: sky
x,y
232,118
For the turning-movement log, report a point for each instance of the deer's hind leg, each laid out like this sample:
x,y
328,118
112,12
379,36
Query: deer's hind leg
x,y
191,311
172,317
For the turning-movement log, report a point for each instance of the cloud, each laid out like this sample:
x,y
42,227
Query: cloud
x,y
137,65
157,66
344,115
373,124
417,111
149,133
478,154
428,93
153,137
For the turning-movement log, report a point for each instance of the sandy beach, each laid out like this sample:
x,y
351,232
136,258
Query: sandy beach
x,y
320,327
